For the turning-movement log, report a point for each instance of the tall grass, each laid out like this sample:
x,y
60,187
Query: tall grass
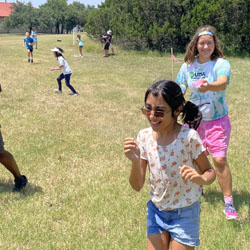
x,y
71,149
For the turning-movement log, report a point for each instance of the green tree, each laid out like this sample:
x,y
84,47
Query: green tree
x,y
97,21
162,24
229,17
23,16
76,15
71,18
139,24
47,22
57,10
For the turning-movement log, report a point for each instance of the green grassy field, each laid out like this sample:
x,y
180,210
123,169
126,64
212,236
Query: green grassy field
x,y
71,149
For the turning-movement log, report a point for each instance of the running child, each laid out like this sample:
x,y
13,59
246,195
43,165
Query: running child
x,y
8,161
177,166
80,44
204,62
66,72
28,42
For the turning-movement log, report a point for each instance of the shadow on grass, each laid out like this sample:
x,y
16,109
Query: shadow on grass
x,y
241,199
30,189
212,196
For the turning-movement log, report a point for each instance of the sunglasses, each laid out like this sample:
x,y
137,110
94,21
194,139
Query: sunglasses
x,y
147,112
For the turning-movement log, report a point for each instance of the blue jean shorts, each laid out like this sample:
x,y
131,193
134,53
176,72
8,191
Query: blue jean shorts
x,y
183,224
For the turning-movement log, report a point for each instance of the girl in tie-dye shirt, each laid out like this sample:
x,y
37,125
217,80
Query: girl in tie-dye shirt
x,y
204,61
177,165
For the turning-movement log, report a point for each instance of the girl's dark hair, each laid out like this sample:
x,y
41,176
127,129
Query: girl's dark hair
x,y
59,54
173,96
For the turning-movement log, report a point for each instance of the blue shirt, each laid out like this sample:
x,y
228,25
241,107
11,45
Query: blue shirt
x,y
27,41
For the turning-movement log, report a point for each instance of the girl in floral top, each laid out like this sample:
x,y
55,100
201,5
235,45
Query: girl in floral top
x,y
177,165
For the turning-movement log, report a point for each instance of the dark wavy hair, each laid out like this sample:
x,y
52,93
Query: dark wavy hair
x,y
173,96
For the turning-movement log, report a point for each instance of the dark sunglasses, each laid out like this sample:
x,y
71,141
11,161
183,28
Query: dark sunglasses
x,y
147,112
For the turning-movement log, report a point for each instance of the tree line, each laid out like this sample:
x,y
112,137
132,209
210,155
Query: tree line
x,y
162,24
55,16
137,24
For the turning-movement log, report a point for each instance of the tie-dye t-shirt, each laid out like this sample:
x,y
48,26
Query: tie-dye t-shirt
x,y
167,189
213,104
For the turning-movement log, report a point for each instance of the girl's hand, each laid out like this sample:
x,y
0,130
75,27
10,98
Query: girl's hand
x,y
188,173
131,149
204,87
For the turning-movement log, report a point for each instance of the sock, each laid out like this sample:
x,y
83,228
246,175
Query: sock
x,y
228,199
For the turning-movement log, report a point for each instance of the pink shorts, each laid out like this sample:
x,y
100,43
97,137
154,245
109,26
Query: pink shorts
x,y
215,136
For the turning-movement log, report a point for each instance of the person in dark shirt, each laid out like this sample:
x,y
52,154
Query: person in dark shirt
x,y
8,161
109,35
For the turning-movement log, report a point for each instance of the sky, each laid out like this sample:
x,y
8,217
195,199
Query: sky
x,y
36,3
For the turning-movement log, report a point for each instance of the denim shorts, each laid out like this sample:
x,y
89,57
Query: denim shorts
x,y
183,224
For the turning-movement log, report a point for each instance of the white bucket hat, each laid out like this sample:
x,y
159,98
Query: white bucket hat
x,y
56,50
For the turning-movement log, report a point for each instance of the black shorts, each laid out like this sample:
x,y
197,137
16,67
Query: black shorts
x,y
30,50
106,47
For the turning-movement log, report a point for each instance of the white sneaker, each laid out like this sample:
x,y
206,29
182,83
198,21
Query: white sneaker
x,y
57,91
74,94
